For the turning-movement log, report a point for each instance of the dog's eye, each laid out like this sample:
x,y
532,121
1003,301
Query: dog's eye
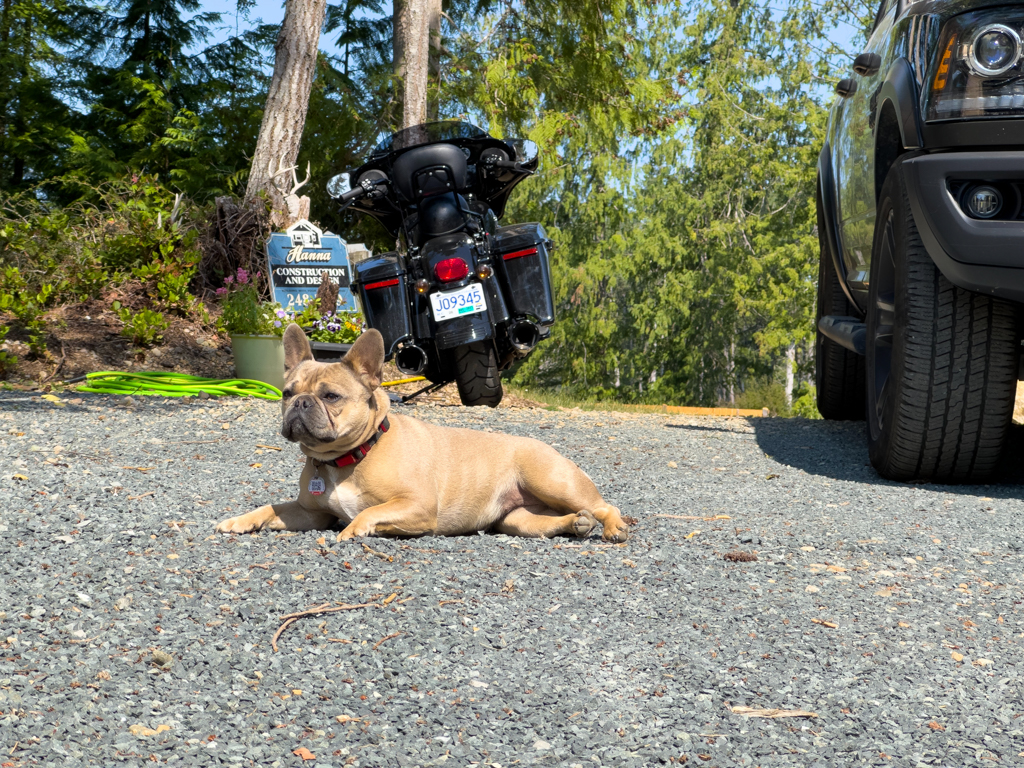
x,y
287,393
331,396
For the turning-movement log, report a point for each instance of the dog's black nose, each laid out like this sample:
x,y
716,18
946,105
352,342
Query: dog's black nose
x,y
304,402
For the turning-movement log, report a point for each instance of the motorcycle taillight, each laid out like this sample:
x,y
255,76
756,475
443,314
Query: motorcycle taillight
x,y
450,270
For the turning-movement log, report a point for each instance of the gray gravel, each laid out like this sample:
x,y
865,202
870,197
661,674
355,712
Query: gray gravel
x,y
123,615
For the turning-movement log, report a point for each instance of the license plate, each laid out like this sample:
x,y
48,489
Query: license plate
x,y
465,301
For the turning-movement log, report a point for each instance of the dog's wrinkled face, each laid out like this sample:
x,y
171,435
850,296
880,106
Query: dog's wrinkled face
x,y
329,407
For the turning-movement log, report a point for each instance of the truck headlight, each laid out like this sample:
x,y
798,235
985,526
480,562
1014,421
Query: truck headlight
x,y
994,50
978,71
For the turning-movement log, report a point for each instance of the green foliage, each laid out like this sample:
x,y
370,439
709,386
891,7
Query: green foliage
x,y
683,216
805,402
27,305
144,327
763,393
243,313
7,360
130,227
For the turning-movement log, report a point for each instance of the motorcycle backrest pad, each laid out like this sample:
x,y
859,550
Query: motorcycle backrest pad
x,y
442,215
429,170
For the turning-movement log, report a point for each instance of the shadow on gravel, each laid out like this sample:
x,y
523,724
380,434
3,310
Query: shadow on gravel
x,y
839,450
17,401
702,428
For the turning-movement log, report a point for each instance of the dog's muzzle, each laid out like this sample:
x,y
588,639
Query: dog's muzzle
x,y
305,418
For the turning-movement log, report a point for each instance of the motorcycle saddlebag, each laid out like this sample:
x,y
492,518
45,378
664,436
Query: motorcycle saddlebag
x,y
525,269
381,283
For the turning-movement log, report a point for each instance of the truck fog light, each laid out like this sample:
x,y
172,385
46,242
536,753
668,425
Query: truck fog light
x,y
984,202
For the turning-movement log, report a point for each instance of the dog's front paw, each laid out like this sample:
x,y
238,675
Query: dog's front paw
x,y
240,524
232,525
354,530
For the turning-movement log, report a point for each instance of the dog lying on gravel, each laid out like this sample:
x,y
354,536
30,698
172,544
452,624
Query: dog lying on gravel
x,y
391,475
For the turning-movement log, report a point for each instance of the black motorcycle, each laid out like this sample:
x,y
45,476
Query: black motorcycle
x,y
464,298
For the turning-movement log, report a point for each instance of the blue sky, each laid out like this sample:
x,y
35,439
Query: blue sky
x,y
269,11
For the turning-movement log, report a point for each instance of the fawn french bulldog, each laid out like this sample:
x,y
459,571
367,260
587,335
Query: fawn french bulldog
x,y
384,474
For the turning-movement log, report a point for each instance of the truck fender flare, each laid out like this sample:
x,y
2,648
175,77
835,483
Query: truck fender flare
x,y
826,192
900,89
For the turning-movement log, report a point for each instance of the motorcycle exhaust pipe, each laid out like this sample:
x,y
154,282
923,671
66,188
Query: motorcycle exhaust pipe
x,y
411,360
524,335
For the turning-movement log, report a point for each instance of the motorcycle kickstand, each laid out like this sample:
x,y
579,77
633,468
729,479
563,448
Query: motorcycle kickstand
x,y
426,390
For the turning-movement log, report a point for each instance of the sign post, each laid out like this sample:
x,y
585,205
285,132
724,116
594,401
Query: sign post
x,y
297,257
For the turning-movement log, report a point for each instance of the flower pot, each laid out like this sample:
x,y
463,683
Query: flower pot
x,y
260,358
328,352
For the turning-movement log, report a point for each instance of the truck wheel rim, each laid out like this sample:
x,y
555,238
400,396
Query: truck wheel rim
x,y
883,310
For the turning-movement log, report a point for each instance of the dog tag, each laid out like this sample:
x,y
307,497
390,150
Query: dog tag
x,y
317,486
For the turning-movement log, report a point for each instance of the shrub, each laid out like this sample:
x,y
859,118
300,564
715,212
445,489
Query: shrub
x,y
7,360
244,312
805,402
764,393
27,305
134,227
144,328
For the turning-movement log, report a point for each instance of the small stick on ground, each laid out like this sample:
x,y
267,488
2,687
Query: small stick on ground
x,y
381,555
63,357
291,618
141,496
271,447
385,639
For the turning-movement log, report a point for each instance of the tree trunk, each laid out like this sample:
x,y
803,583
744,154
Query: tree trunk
x,y
287,101
790,370
414,24
434,59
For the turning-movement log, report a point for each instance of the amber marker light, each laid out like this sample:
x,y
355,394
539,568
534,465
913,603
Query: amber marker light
x,y
422,286
484,271
943,72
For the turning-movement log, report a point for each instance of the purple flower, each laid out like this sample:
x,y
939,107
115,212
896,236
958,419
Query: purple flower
x,y
277,323
243,276
229,279
221,291
281,313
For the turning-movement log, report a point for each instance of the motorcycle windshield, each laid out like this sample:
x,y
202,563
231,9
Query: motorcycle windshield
x,y
429,133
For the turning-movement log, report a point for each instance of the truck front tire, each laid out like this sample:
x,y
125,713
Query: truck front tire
x,y
941,361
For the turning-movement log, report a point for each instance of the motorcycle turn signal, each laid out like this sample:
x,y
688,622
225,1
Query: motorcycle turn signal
x,y
422,285
484,271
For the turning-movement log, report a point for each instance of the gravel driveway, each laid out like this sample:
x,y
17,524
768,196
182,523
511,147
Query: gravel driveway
x,y
130,634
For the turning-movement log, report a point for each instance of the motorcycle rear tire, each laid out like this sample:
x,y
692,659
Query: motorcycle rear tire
x,y
476,374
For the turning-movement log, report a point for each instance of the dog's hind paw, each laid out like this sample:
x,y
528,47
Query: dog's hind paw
x,y
584,523
616,534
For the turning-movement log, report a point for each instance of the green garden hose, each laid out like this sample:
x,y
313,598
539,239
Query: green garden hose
x,y
169,384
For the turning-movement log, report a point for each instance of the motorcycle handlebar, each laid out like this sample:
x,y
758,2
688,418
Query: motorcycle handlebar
x,y
352,194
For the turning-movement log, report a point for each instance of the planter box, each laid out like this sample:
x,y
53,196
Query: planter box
x,y
326,352
260,358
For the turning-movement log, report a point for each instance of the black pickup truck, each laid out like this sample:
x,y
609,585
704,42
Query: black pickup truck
x,y
921,222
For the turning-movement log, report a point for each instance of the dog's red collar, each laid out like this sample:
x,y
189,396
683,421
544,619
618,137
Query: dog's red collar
x,y
359,453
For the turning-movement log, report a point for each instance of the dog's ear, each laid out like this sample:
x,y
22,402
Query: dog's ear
x,y
296,347
366,358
